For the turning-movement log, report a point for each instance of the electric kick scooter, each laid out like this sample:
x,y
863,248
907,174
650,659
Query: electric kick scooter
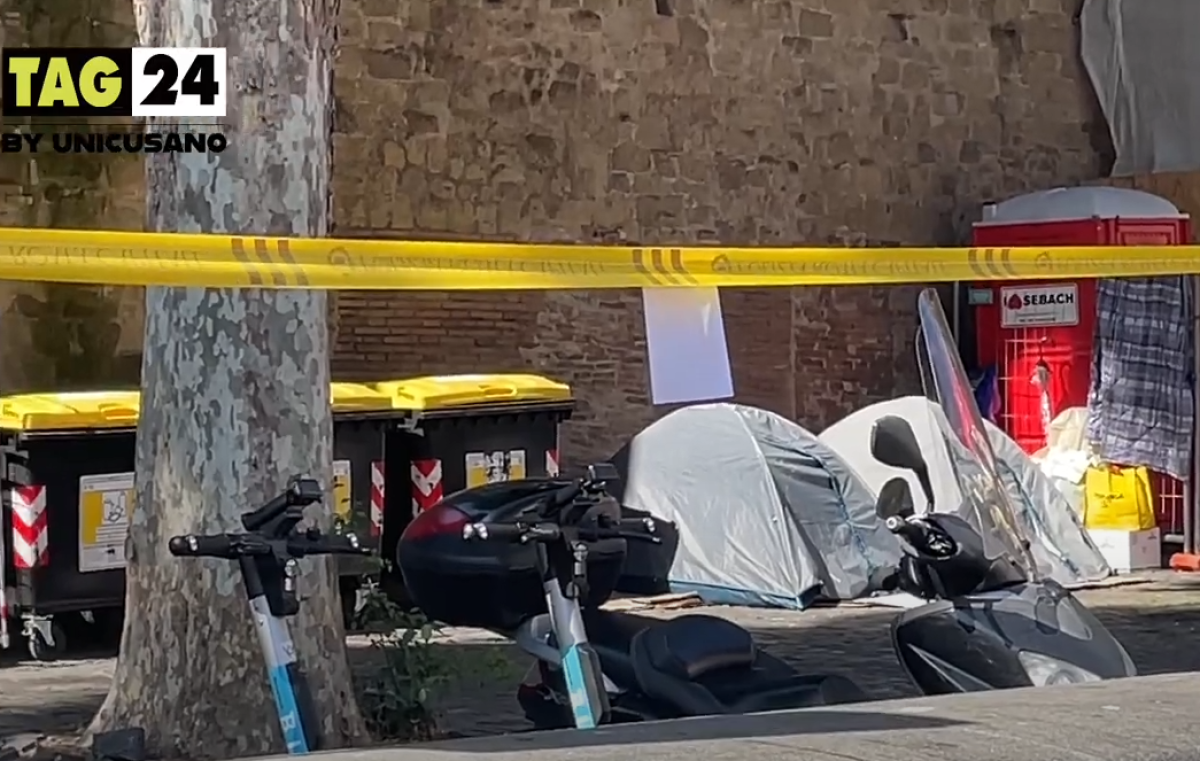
x,y
267,554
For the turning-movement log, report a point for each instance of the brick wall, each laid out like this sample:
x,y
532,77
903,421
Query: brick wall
x,y
813,122
805,121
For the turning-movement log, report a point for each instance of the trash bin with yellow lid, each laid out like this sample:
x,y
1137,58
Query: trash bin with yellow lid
x,y
69,478
458,431
359,415
441,395
67,462
360,418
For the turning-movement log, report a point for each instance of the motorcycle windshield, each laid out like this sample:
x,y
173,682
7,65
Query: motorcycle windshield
x,y
985,502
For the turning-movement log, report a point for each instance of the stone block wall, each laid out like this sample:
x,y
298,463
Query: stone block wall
x,y
58,337
776,122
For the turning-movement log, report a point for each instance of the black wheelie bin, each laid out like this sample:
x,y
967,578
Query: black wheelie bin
x,y
459,431
69,489
361,416
67,480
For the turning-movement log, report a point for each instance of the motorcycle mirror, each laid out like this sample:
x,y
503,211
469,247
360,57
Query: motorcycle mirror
x,y
894,443
602,472
895,500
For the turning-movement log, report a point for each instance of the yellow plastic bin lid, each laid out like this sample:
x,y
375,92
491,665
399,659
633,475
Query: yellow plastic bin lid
x,y
440,392
357,397
70,411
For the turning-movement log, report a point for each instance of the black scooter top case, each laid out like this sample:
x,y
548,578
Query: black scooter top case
x,y
1025,635
493,584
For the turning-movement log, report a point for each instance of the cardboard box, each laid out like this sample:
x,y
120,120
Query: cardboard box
x,y
1129,550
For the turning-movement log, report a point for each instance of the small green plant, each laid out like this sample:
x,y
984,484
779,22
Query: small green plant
x,y
410,670
406,672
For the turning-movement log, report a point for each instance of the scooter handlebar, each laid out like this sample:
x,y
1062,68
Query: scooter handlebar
x,y
636,529
313,543
510,532
633,525
913,531
567,494
216,546
492,531
232,546
612,533
589,484
926,537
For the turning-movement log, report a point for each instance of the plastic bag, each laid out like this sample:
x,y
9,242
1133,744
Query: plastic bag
x,y
1118,498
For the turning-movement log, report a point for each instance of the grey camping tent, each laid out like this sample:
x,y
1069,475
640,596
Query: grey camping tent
x,y
766,515
1061,547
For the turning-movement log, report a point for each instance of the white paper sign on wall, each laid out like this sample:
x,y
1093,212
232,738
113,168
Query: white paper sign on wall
x,y
685,341
1039,306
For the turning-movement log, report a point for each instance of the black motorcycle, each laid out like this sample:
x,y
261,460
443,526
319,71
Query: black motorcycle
x,y
991,622
535,559
987,625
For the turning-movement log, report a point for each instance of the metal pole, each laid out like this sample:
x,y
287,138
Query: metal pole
x,y
956,313
1191,503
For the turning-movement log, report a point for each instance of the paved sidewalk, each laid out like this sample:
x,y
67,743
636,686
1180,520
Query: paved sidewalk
x,y
1122,720
1157,622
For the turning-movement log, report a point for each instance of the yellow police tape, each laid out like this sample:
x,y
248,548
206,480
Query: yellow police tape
x,y
224,261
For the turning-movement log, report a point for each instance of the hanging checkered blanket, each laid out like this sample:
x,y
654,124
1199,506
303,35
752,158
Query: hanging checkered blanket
x,y
1140,408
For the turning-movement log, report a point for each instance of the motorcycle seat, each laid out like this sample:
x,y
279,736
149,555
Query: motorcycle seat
x,y
610,634
704,665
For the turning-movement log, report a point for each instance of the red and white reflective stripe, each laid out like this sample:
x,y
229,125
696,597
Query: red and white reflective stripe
x,y
551,463
377,487
426,484
29,527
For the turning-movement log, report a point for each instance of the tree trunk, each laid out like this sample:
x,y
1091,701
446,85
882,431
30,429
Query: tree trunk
x,y
235,398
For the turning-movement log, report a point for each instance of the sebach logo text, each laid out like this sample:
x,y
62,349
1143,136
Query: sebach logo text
x,y
1046,299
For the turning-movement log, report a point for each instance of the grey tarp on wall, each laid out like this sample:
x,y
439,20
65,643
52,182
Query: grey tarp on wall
x,y
1061,547
1142,60
766,514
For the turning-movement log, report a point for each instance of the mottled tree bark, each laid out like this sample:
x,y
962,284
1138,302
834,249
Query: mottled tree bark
x,y
235,397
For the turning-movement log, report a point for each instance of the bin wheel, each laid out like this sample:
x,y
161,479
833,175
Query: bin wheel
x,y
41,650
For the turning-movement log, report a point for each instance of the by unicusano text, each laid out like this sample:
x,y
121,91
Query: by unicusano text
x,y
113,142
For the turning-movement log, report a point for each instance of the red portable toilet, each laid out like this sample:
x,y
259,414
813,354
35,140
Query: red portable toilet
x,y
1042,331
